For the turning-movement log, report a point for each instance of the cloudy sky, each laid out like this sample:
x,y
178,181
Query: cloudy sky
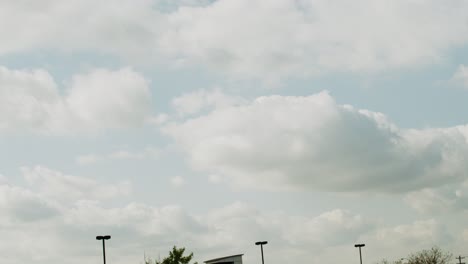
x,y
313,124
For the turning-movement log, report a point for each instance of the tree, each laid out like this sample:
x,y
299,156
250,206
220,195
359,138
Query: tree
x,y
176,256
432,256
385,261
429,256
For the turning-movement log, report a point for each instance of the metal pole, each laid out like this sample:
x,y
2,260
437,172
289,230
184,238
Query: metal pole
x,y
360,246
261,248
103,238
104,250
261,243
360,255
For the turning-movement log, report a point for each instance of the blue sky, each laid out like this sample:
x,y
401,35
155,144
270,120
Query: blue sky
x,y
312,124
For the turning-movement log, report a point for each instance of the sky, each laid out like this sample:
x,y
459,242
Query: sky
x,y
212,124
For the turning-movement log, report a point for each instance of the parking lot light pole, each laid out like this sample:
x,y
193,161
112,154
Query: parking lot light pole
x,y
360,246
261,243
103,238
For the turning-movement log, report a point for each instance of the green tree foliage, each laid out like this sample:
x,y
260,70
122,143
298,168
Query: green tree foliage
x,y
176,256
429,256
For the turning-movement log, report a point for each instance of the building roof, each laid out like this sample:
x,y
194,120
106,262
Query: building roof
x,y
216,259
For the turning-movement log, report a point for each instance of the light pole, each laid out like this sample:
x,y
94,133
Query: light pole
x,y
261,243
103,238
459,259
360,246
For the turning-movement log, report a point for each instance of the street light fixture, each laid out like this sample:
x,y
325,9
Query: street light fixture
x,y
360,246
261,243
103,238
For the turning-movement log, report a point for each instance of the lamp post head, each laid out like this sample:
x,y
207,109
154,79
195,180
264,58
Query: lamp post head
x,y
103,237
359,245
261,243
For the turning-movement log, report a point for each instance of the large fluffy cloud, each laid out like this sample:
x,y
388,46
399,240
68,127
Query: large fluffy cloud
x,y
30,100
276,39
266,39
43,227
279,38
57,216
104,26
311,142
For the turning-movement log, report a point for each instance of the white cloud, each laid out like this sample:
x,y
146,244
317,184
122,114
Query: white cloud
x,y
59,186
431,200
158,120
413,237
146,220
238,226
330,229
100,99
196,101
127,28
52,221
461,75
122,154
178,181
275,39
21,204
34,218
280,142
87,159
67,231
173,5
428,231
147,153
29,99
215,178
395,242
3,179
264,39
445,199
69,226
114,98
